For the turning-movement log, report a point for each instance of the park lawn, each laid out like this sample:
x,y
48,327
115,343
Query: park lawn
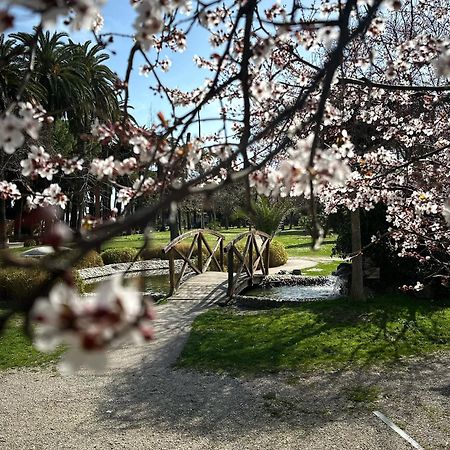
x,y
16,349
295,241
322,269
324,335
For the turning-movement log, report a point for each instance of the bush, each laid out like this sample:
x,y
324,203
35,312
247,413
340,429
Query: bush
x,y
119,255
156,252
18,285
214,225
30,243
277,254
153,252
92,259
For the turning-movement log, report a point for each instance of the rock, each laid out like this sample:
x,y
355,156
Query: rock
x,y
296,272
343,270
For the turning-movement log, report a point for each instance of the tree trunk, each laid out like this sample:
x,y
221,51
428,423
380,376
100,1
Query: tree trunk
x,y
173,224
3,225
180,222
20,219
291,220
97,202
74,213
357,288
188,220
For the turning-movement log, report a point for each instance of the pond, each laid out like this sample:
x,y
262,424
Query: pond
x,y
302,288
152,284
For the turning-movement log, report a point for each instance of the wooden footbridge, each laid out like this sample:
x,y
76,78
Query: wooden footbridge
x,y
213,273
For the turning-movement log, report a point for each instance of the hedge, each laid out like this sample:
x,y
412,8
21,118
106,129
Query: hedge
x,y
156,251
277,254
18,284
92,259
119,255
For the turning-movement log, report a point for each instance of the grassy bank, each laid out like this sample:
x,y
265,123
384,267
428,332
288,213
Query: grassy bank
x,y
16,349
323,335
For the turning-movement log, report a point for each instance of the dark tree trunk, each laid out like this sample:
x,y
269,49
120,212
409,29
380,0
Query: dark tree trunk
x,y
97,202
357,288
3,225
74,213
19,219
180,222
188,220
173,227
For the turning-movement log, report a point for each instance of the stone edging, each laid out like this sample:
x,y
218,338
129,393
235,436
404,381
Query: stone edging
x,y
150,267
253,302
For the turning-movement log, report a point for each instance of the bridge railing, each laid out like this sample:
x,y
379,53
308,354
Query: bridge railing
x,y
206,255
253,257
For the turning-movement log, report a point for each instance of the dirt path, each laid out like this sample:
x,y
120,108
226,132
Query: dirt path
x,y
142,402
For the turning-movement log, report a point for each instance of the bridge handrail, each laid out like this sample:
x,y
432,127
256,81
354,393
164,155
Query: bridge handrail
x,y
198,237
246,259
243,235
190,233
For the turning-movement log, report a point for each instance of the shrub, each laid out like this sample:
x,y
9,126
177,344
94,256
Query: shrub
x,y
277,254
92,259
30,243
153,252
265,215
119,255
156,252
17,284
214,225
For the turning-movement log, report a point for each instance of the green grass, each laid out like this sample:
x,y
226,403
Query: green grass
x,y
295,241
324,335
322,268
16,349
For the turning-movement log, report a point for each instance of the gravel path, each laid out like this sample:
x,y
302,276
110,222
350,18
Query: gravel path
x,y
142,402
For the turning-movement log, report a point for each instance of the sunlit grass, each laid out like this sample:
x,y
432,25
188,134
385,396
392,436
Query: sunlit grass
x,y
323,335
16,349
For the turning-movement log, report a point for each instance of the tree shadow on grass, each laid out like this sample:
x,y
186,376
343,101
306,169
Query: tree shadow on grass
x,y
155,395
308,244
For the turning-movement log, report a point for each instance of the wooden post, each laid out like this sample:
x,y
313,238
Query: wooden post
x,y
221,256
172,271
266,257
200,252
230,255
250,255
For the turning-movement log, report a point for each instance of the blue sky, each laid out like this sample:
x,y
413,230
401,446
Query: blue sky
x,y
119,17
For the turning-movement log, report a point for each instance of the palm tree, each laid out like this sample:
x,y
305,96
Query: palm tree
x,y
70,80
64,82
78,85
103,102
266,215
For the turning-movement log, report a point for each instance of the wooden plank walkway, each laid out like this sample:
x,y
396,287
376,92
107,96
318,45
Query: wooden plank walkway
x,y
207,288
